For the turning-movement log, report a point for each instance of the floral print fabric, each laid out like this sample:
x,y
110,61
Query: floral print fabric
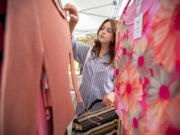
x,y
147,69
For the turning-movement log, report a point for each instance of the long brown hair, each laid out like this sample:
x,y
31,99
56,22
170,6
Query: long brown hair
x,y
97,46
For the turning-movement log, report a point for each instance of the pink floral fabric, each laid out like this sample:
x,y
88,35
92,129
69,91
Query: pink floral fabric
x,y
147,69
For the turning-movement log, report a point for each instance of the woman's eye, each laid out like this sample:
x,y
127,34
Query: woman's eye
x,y
109,31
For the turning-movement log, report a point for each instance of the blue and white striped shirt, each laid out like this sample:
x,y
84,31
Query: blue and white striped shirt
x,y
97,78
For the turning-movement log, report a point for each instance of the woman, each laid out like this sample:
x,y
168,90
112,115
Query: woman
x,y
98,72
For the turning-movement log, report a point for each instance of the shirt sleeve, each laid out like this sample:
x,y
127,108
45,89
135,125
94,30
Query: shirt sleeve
x,y
80,50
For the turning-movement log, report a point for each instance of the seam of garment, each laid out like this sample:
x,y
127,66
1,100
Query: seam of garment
x,y
60,10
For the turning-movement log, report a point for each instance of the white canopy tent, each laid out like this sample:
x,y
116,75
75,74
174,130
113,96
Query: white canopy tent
x,y
93,12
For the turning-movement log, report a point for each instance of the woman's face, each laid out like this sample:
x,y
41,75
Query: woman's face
x,y
105,35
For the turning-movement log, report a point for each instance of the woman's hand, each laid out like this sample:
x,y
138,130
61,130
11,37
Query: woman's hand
x,y
74,17
109,99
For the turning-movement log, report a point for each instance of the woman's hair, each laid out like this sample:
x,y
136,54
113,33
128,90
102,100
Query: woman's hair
x,y
97,46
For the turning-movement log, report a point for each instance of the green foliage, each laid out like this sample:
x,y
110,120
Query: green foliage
x,y
76,66
83,40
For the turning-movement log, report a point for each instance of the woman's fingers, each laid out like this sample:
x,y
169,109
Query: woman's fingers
x,y
72,9
107,102
73,13
74,18
108,99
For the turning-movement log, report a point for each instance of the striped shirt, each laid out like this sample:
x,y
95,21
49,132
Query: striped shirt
x,y
97,80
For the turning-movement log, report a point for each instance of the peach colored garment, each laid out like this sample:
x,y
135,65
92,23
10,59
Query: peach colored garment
x,y
37,35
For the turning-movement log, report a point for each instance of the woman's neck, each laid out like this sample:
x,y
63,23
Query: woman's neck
x,y
103,50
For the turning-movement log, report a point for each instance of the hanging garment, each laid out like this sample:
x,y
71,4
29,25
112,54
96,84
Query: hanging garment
x,y
37,36
42,128
147,73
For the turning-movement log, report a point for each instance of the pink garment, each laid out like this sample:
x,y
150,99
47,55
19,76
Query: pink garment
x,y
42,122
147,79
